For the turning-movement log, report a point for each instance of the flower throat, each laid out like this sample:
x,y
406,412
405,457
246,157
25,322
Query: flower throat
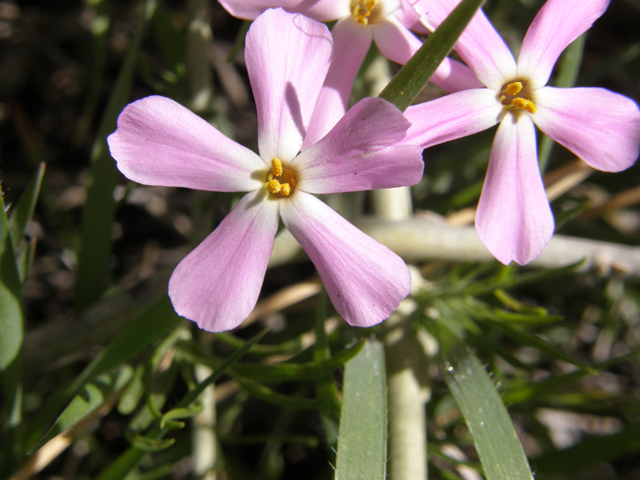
x,y
516,95
365,12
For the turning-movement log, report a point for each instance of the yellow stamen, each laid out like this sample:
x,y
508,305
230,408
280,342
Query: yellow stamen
x,y
524,104
514,88
281,181
363,11
274,186
276,167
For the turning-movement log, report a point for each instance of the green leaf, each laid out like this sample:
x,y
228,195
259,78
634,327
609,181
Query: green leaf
x,y
493,434
411,79
147,444
95,249
362,443
94,395
11,319
179,413
132,395
23,212
266,394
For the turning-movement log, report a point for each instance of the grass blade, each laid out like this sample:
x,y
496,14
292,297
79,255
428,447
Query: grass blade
x,y
411,79
493,434
362,444
95,247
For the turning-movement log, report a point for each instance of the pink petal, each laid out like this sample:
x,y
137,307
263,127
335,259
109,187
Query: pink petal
x,y
288,56
217,284
160,142
364,279
514,219
410,18
480,46
359,153
352,42
321,10
454,76
599,126
452,116
558,23
398,44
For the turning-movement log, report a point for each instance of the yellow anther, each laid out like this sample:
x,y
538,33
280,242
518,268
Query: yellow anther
x,y
281,180
276,167
514,88
274,186
363,11
524,104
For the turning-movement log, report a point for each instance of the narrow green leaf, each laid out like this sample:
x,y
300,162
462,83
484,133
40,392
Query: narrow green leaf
x,y
85,403
25,260
95,249
179,413
11,320
411,79
266,394
147,444
493,434
362,443
11,325
132,395
23,212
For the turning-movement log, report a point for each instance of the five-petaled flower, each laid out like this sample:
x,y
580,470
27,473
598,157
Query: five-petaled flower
x,y
387,22
514,219
159,142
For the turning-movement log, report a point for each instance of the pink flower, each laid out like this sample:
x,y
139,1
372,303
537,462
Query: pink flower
x,y
387,22
514,219
159,142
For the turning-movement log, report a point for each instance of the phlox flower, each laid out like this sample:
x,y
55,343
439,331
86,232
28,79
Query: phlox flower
x,y
159,142
514,219
387,22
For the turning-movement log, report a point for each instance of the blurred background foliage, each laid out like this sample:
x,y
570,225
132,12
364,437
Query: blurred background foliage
x,y
107,363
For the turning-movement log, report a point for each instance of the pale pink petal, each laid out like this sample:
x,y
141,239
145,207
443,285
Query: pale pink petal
x,y
352,42
321,10
452,116
454,76
217,284
558,23
364,279
288,56
599,126
398,44
160,142
359,153
480,46
514,219
410,18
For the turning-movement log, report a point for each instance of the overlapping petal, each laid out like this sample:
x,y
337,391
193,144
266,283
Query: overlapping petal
x,y
287,67
160,142
217,284
514,219
480,45
321,10
452,116
599,126
351,44
359,153
558,23
364,279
